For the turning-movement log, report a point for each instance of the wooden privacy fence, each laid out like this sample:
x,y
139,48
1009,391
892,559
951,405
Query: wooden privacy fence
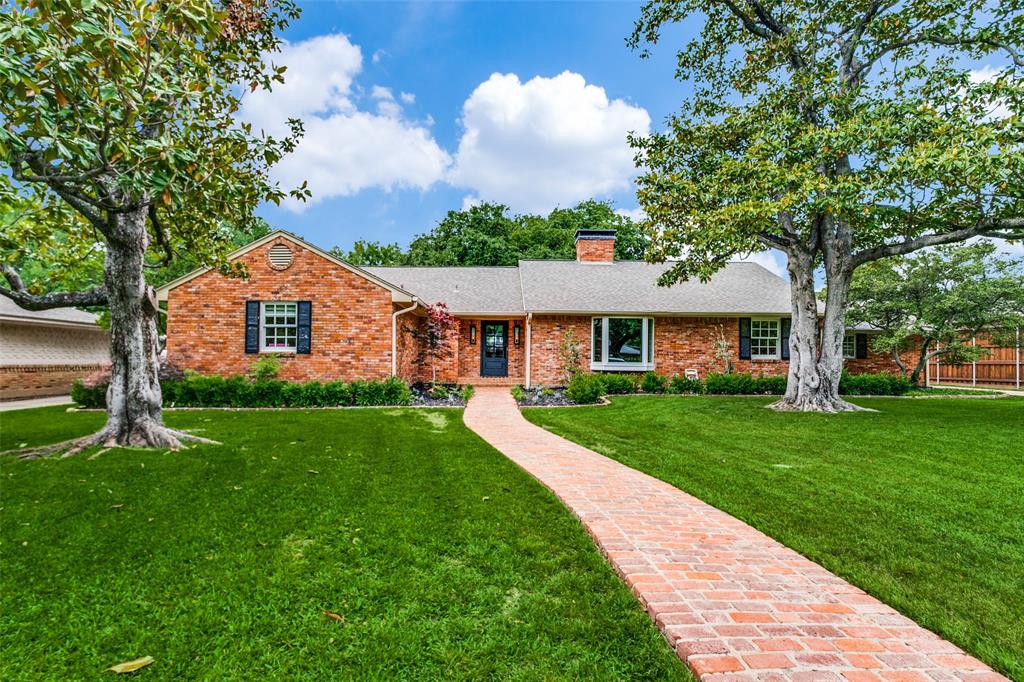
x,y
1000,367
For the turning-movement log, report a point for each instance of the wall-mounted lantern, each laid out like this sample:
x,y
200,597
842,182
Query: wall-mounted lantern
x,y
472,333
517,331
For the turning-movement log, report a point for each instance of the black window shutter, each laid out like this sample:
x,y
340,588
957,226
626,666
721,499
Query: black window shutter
x,y
784,326
744,338
252,326
862,346
305,320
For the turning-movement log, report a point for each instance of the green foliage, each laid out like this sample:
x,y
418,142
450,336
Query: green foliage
x,y
466,393
585,388
487,234
518,393
619,384
680,385
267,367
546,391
744,384
118,107
439,392
652,382
197,390
934,301
874,384
837,111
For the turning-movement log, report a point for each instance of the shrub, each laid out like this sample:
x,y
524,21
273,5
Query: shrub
x,y
744,384
874,384
267,367
518,394
618,384
395,392
438,392
466,393
652,382
773,385
88,396
337,393
585,388
680,384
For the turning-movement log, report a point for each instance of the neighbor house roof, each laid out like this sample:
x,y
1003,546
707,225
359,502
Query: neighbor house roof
x,y
60,317
464,290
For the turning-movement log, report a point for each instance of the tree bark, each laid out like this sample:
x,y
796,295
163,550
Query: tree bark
x,y
815,353
134,400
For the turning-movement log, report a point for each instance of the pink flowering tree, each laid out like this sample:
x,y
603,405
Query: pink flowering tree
x,y
432,335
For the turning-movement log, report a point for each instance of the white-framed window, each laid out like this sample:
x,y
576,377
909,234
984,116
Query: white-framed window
x,y
622,343
764,339
850,346
279,327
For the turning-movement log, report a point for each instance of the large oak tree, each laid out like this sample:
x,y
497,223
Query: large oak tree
x,y
838,132
119,128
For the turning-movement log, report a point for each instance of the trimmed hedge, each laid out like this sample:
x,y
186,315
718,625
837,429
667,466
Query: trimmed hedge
x,y
618,384
744,384
680,384
652,382
216,391
874,384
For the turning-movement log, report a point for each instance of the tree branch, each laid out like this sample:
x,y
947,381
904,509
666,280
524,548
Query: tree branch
x,y
991,227
58,299
162,238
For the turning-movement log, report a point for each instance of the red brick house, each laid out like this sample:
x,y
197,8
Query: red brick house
x,y
327,319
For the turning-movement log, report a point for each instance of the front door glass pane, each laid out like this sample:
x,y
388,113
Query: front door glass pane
x,y
494,341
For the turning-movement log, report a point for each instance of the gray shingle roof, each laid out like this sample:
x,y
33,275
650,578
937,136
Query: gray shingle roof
x,y
464,290
550,286
9,310
632,287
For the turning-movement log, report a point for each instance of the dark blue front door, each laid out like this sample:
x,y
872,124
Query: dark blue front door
x,y
494,349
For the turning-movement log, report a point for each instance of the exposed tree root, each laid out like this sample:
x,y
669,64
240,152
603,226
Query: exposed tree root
x,y
147,435
817,403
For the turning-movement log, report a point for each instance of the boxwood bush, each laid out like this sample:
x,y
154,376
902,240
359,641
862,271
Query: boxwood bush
x,y
618,384
196,390
680,384
585,388
874,384
652,382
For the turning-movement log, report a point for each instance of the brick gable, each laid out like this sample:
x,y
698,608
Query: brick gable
x,y
351,323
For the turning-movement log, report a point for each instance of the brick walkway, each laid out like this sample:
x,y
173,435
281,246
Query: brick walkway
x,y
735,604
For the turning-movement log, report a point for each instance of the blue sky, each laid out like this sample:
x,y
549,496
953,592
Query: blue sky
x,y
415,109
564,60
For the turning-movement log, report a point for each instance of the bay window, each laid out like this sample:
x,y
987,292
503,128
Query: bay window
x,y
622,343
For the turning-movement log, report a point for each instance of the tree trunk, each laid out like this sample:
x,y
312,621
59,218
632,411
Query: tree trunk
x,y
134,415
815,354
133,397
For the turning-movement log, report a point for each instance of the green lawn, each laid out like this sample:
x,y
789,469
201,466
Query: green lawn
x,y
444,559
921,504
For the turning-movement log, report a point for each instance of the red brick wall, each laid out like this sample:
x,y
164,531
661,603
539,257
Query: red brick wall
x,y
595,250
31,381
680,343
463,362
351,322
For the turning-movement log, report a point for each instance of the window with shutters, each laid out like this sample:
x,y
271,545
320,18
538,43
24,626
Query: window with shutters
x,y
622,343
279,326
850,346
764,339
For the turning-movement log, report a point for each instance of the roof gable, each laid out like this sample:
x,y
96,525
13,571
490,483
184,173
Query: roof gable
x,y
397,293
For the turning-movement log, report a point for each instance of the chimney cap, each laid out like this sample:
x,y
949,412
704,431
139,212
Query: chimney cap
x,y
594,234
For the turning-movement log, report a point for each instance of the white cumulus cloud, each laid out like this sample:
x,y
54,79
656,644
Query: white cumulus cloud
x,y
545,142
345,149
635,214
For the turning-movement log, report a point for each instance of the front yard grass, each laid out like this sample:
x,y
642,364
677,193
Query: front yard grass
x,y
921,504
444,560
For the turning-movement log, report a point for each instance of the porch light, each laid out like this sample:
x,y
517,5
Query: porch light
x,y
472,332
516,331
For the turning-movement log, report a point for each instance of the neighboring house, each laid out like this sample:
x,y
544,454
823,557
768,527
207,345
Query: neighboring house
x,y
43,352
328,319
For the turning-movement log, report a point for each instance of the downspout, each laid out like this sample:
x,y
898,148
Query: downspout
x,y
529,346
394,334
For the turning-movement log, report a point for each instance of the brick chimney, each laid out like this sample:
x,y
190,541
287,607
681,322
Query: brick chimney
x,y
595,246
